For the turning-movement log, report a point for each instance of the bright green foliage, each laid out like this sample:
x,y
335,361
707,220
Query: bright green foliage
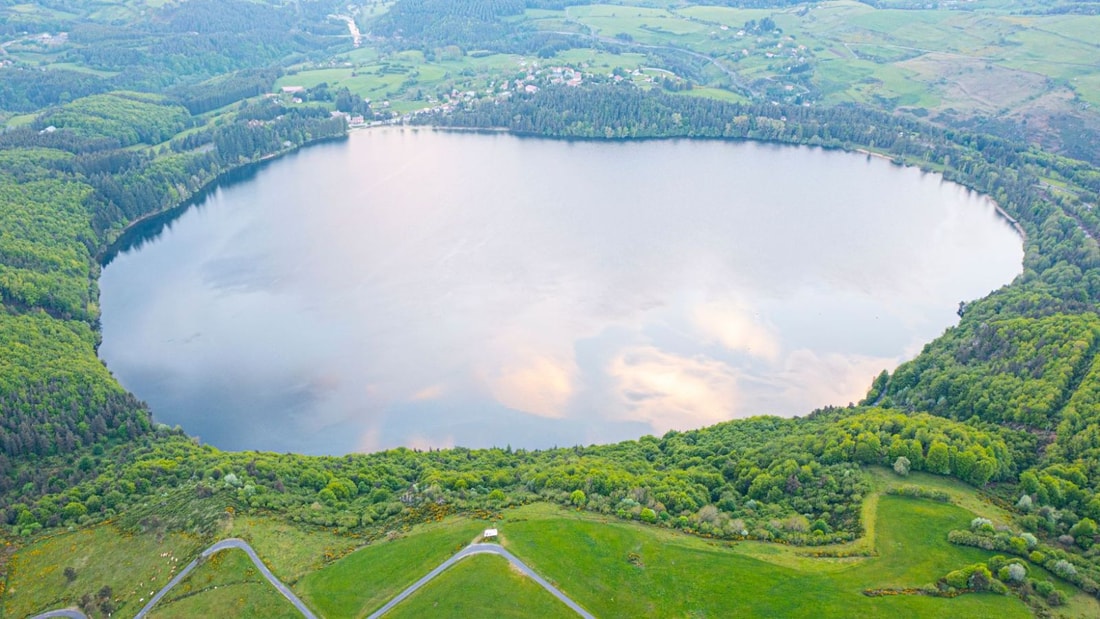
x,y
1084,532
976,577
1006,370
734,480
1079,430
129,118
45,236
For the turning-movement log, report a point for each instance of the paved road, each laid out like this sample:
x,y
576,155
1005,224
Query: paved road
x,y
69,613
223,545
72,613
471,550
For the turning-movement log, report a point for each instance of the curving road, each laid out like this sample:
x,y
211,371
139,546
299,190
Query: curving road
x,y
471,550
240,544
223,545
68,613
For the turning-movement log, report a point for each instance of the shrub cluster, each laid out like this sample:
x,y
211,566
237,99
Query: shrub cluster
x,y
920,493
1070,567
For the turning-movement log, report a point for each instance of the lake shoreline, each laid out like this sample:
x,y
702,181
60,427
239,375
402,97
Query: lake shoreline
x,y
162,216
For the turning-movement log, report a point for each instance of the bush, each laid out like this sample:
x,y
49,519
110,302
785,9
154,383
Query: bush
x,y
1024,504
1065,569
996,562
1014,573
958,579
1042,587
966,538
1056,598
981,524
901,466
1083,532
976,577
919,492
1018,545
981,579
1030,539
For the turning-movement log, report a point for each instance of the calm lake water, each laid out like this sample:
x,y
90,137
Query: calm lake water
x,y
422,288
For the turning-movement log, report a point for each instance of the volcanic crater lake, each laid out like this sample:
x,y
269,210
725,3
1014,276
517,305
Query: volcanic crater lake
x,y
429,289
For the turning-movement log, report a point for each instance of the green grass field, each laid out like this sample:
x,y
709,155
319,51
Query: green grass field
x,y
685,576
131,565
482,586
368,578
226,585
290,551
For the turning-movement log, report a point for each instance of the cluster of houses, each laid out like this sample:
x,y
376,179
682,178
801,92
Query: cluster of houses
x,y
533,77
353,120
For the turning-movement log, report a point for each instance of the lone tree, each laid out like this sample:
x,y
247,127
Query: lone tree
x,y
70,574
901,466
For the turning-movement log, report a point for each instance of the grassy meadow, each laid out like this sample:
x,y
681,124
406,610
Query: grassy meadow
x,y
227,584
482,586
612,567
677,575
366,579
290,551
130,565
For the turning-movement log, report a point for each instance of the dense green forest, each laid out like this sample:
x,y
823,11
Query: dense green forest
x,y
171,99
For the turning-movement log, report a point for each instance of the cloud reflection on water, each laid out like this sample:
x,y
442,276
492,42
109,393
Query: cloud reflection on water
x,y
386,291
